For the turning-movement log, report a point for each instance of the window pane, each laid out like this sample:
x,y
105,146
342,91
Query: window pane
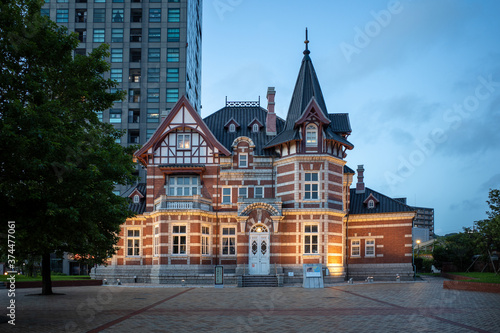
x,y
155,15
99,15
154,35
62,15
117,35
173,55
173,35
116,74
117,15
153,74
174,15
153,95
117,55
172,74
98,36
154,55
172,95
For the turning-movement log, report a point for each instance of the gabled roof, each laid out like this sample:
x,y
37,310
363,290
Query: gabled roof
x,y
386,204
232,121
348,170
243,115
140,207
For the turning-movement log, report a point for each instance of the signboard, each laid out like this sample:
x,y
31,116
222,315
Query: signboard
x,y
313,270
219,276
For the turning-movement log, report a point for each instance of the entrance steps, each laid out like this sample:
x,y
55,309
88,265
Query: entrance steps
x,y
259,281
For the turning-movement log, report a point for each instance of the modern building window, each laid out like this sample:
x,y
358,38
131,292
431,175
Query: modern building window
x,y
172,95
311,239
114,91
117,35
134,75
99,115
45,12
117,15
115,116
180,186
311,136
154,55
99,0
62,15
149,133
255,128
226,195
153,116
99,15
98,36
355,248
176,1
242,192
232,128
80,52
117,74
117,55
154,35
228,241
205,240
133,242
258,192
242,160
154,74
80,15
155,15
133,136
153,95
134,95
172,74
173,55
135,35
136,15
135,55
311,186
134,116
183,141
174,15
156,245
370,248
117,0
82,35
173,35
179,239
61,1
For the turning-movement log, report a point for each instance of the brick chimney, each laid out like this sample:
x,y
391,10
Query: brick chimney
x,y
360,185
271,116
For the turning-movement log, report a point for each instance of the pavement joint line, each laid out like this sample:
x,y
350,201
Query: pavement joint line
x,y
472,328
119,320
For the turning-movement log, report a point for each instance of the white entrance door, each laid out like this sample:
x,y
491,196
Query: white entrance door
x,y
259,251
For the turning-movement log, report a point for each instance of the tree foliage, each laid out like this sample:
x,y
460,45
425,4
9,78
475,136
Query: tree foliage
x,y
58,163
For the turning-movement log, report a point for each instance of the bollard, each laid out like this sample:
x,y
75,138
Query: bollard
x,y
398,278
135,279
118,282
183,282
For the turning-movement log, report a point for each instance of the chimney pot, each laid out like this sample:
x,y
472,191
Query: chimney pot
x,y
360,185
271,116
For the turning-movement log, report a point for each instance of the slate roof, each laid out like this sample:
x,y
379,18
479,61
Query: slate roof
x,y
243,115
348,170
386,204
140,207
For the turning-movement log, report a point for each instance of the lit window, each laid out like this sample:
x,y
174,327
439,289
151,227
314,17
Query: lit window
x,y
174,15
311,136
371,204
242,192
255,128
228,241
133,242
183,141
370,248
243,160
205,240
311,186
172,74
179,239
259,192
157,241
226,195
311,239
355,248
183,186
136,199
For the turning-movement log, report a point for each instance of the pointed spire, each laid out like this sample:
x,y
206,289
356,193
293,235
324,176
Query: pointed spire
x,y
306,51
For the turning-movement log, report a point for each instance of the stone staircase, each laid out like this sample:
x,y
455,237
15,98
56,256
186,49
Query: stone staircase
x,y
259,281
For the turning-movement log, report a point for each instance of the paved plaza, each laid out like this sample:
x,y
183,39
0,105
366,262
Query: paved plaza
x,y
375,307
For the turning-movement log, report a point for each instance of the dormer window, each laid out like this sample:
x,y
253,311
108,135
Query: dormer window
x,y
136,199
311,136
371,204
255,128
232,128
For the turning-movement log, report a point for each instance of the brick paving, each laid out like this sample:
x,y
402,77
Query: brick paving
x,y
376,307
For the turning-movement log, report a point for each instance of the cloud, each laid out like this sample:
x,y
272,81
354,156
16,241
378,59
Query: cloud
x,y
467,205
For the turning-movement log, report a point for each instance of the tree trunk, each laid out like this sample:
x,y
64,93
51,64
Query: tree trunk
x,y
46,282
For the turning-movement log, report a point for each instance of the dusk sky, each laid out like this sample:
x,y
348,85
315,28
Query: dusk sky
x,y
419,79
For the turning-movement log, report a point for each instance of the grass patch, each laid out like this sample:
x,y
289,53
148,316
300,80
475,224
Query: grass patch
x,y
481,277
53,278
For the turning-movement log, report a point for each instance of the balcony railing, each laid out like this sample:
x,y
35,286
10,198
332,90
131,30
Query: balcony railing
x,y
182,203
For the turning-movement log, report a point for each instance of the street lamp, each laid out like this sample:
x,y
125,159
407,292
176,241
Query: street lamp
x,y
418,247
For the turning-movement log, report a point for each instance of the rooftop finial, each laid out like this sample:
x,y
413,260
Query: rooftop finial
x,y
306,51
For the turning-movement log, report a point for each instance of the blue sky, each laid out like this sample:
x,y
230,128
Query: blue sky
x,y
419,79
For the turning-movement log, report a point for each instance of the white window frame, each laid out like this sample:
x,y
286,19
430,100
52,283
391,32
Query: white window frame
x,y
136,199
255,192
205,240
311,136
156,241
311,186
371,203
184,141
226,196
369,245
228,241
176,189
311,239
232,128
355,244
179,233
242,160
255,128
134,236
243,192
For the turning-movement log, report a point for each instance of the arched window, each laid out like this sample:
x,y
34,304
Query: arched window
x,y
255,128
232,128
371,204
136,198
311,136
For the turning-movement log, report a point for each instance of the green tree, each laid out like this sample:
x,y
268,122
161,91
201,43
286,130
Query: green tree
x,y
489,229
58,163
457,249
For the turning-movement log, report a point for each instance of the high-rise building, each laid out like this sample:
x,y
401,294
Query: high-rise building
x,y
155,56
